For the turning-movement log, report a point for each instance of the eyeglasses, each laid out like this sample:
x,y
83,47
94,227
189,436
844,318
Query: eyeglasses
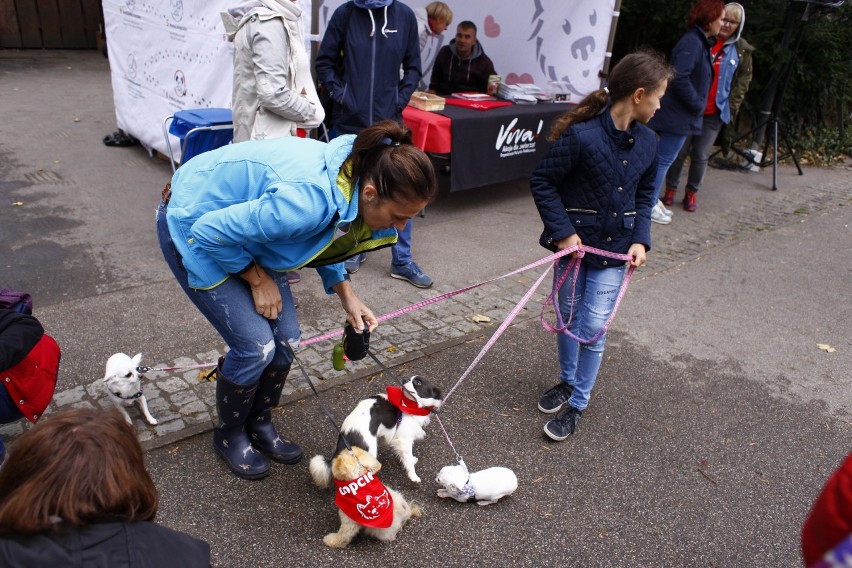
x,y
728,22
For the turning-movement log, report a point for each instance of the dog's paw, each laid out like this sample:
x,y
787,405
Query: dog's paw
x,y
414,477
334,541
443,493
152,421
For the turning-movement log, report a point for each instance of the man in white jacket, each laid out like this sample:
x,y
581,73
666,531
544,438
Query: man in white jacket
x,y
274,92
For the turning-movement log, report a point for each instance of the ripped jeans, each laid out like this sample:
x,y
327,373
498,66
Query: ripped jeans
x,y
255,342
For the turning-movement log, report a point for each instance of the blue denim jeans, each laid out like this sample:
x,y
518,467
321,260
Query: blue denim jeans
x,y
698,149
595,295
401,251
255,342
668,146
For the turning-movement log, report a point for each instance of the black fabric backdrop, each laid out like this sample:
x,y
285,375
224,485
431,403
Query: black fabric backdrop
x,y
500,144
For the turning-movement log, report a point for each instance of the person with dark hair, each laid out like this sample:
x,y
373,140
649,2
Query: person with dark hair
x,y
595,188
234,219
723,101
29,363
369,64
682,113
462,66
75,492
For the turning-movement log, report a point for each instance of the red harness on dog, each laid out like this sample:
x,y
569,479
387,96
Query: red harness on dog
x,y
405,404
365,500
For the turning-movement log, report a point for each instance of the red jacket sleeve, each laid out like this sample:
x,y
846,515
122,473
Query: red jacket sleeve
x,y
830,519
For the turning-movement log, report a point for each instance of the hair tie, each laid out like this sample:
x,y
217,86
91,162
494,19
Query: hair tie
x,y
606,90
388,142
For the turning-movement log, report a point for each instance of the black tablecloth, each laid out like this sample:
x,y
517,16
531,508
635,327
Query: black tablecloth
x,y
500,144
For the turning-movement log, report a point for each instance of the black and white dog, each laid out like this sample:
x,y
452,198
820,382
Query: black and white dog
x,y
397,417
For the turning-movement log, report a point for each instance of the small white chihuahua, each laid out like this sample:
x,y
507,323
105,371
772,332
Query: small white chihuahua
x,y
124,384
485,487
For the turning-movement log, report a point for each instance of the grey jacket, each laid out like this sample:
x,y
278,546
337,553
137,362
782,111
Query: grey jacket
x,y
271,70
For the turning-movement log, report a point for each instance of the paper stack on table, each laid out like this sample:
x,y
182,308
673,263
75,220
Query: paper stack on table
x,y
520,93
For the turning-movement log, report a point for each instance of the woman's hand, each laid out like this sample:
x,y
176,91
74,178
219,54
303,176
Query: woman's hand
x,y
637,251
264,291
568,242
357,314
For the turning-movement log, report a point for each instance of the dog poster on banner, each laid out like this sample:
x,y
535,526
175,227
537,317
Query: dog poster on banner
x,y
532,41
165,57
168,56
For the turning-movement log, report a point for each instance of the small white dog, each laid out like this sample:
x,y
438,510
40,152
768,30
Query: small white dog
x,y
397,418
485,487
364,503
124,384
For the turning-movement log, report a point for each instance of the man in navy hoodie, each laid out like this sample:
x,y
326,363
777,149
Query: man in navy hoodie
x,y
358,64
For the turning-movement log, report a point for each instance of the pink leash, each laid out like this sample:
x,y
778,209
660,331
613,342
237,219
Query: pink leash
x,y
574,266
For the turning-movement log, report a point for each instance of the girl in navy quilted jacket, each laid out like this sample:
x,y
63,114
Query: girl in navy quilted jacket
x,y
595,188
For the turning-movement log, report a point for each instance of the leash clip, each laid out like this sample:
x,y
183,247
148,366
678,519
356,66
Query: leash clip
x,y
142,369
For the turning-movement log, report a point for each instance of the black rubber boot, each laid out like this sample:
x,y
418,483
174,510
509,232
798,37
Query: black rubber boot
x,y
230,439
259,425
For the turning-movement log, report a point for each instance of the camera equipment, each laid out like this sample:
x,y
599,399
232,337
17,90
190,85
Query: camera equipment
x,y
773,93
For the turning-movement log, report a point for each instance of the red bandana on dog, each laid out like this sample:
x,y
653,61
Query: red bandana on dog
x,y
405,404
365,500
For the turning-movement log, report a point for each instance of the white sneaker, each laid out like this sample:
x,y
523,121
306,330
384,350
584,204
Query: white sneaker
x,y
657,216
666,211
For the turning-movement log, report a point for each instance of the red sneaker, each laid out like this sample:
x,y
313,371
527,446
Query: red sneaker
x,y
689,201
668,198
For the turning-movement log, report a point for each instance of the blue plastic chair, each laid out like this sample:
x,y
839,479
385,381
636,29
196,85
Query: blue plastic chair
x,y
198,130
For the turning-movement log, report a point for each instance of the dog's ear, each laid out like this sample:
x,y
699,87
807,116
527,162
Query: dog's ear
x,y
343,467
136,360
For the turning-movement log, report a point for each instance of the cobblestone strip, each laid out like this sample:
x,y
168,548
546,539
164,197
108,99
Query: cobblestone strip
x,y
184,405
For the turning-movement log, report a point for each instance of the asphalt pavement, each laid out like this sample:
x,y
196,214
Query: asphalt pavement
x,y
714,423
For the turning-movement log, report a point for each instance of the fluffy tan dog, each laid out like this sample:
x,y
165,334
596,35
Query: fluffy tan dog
x,y
354,474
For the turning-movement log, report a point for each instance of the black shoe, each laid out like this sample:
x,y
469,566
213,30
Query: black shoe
x,y
555,398
564,424
259,424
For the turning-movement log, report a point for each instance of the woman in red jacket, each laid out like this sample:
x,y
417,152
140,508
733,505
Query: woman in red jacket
x,y
29,364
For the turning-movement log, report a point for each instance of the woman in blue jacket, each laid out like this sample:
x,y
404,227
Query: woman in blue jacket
x,y
682,112
237,218
718,112
595,188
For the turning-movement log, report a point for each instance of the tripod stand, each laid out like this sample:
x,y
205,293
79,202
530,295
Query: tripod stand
x,y
772,98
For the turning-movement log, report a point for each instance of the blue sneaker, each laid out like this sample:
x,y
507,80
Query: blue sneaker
x,y
411,273
353,264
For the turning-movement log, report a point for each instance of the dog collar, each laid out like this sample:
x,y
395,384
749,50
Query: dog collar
x,y
405,404
131,397
466,491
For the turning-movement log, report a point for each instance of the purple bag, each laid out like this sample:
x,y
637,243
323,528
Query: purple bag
x,y
16,301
